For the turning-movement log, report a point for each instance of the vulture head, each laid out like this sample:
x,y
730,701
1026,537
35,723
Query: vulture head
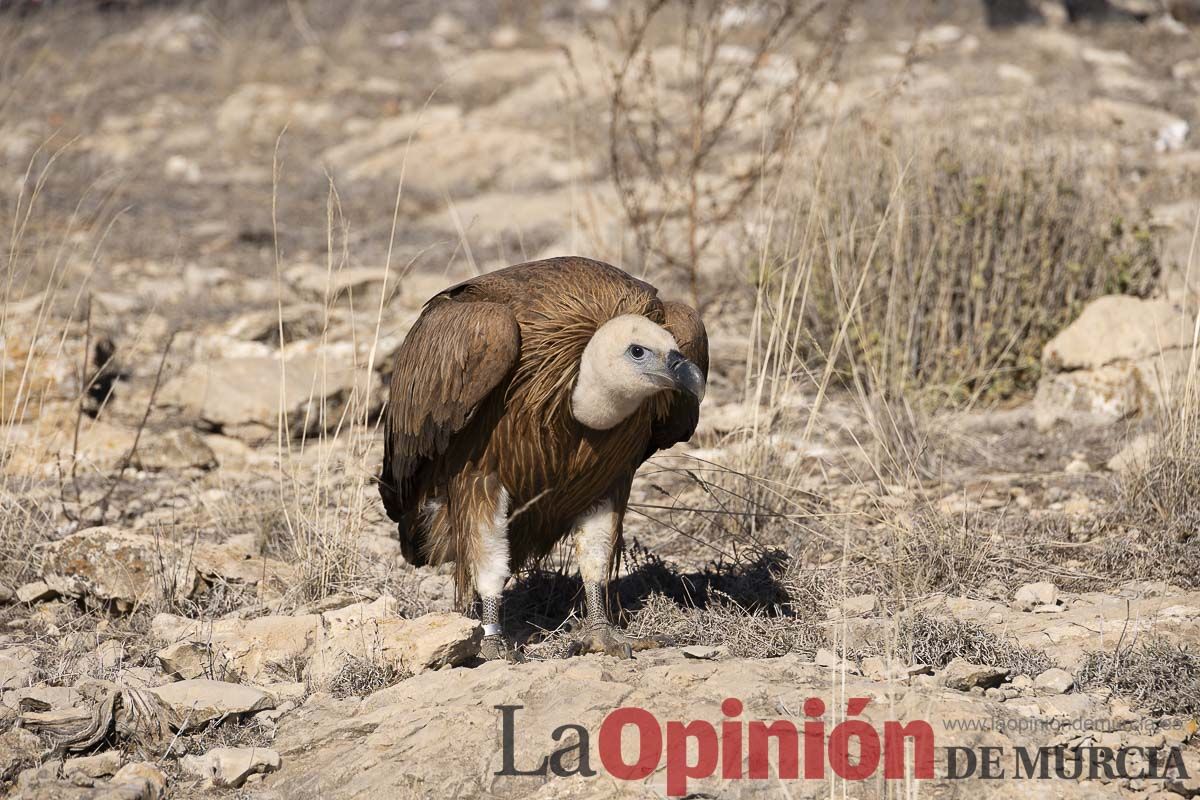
x,y
628,360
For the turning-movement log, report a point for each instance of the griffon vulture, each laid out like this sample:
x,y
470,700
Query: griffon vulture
x,y
522,402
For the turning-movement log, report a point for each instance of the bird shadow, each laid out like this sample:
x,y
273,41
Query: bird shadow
x,y
542,599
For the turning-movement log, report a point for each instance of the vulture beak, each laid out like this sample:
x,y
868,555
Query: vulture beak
x,y
687,376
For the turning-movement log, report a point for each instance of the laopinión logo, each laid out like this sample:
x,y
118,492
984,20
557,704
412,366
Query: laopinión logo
x,y
852,749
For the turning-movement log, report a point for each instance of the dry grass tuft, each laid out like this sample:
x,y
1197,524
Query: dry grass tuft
x,y
1159,676
360,677
1157,512
24,524
956,263
1161,487
927,638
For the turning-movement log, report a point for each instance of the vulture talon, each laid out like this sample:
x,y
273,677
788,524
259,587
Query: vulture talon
x,y
606,639
496,648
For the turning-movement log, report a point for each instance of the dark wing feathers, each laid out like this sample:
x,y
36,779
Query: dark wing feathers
x,y
683,411
454,357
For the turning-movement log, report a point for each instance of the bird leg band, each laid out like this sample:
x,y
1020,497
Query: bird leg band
x,y
490,614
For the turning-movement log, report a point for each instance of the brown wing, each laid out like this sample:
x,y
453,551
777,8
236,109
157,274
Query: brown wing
x,y
450,363
678,421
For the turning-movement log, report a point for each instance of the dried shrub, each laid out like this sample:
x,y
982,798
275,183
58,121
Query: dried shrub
x,y
359,677
24,524
1156,512
1159,676
926,638
1161,486
705,99
955,264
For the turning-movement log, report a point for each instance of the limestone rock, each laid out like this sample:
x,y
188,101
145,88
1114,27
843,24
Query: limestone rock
x,y
35,592
827,659
143,778
464,161
230,766
436,733
18,748
365,632
1118,328
1114,361
1189,786
173,450
892,670
1054,681
1134,454
92,768
962,675
361,285
198,701
31,374
242,397
299,321
257,650
258,112
101,446
17,668
186,660
484,75
701,652
112,566
1097,396
120,567
859,606
1032,595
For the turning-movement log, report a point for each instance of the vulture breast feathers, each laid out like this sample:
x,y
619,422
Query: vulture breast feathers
x,y
481,391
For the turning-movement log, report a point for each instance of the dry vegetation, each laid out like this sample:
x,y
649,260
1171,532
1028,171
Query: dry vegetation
x,y
881,286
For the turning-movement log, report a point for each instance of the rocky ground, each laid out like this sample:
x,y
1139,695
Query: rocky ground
x,y
224,219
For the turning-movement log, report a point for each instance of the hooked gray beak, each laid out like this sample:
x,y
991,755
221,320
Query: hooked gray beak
x,y
688,377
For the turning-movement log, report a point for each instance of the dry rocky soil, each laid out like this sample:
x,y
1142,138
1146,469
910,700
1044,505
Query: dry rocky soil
x,y
201,597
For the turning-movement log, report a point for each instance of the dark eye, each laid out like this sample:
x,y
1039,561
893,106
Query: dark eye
x,y
637,351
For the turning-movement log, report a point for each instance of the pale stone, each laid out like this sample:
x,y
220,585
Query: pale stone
x,y
198,701
35,592
964,676
1031,595
1055,680
231,766
94,767
244,397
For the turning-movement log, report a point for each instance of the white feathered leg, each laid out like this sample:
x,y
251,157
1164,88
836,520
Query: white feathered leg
x,y
491,571
595,540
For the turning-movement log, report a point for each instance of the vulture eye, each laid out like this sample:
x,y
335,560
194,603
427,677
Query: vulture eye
x,y
637,351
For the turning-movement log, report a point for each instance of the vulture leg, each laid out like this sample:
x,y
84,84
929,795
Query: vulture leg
x,y
486,523
595,542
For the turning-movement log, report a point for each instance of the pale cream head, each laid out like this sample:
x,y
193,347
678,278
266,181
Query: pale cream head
x,y
628,360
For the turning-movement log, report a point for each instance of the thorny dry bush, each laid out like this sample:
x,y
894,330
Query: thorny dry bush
x,y
705,99
936,640
359,677
1162,677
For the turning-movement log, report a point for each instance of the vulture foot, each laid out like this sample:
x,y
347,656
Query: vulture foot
x,y
496,648
604,638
